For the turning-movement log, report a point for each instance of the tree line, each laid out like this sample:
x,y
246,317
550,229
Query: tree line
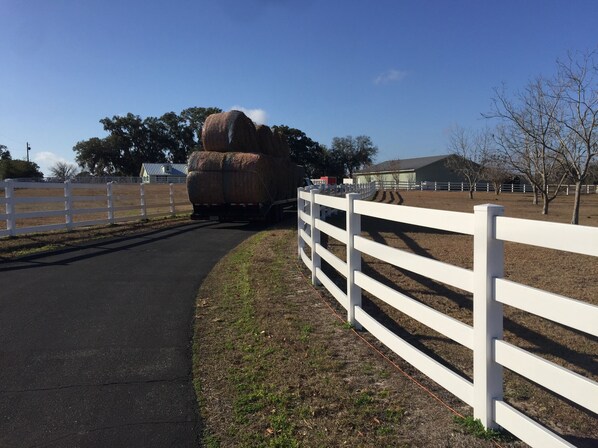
x,y
546,134
133,140
15,169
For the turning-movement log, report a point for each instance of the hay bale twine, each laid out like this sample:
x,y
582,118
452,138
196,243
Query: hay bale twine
x,y
265,140
247,178
229,131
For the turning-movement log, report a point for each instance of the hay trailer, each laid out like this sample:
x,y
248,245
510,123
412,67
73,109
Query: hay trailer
x,y
244,173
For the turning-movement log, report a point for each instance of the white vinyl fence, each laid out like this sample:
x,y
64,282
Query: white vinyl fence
x,y
132,204
490,291
480,186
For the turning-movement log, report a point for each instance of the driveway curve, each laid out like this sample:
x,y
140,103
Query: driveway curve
x,y
95,342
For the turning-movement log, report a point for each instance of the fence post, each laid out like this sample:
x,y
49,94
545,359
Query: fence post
x,y
488,264
314,213
110,202
435,186
524,187
142,201
68,204
449,186
353,225
171,194
300,208
11,222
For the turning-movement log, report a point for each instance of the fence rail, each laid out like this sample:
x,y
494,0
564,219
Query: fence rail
x,y
480,186
490,291
106,205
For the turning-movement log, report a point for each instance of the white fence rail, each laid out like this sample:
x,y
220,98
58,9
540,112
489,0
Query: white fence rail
x,y
490,291
480,186
109,203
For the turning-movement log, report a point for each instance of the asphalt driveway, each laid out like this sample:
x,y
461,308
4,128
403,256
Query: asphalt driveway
x,y
95,343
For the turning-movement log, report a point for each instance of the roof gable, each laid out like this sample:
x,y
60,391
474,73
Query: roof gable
x,y
155,169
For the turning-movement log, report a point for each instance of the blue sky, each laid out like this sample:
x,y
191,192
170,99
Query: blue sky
x,y
402,72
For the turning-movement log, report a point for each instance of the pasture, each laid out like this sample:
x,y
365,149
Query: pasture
x,y
559,272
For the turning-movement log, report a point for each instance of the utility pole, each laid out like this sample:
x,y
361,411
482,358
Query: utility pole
x,y
28,149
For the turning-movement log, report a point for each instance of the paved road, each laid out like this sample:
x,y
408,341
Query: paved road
x,y
95,342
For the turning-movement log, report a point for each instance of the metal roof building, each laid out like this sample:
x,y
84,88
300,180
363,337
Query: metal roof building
x,y
418,169
163,173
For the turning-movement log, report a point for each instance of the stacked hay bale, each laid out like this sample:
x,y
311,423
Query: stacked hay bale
x,y
241,163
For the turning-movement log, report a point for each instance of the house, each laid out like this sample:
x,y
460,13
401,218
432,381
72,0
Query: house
x,y
416,170
163,173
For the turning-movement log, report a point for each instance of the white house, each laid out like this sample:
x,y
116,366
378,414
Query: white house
x,y
163,173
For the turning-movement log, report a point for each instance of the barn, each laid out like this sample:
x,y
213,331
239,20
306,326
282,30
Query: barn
x,y
415,170
163,173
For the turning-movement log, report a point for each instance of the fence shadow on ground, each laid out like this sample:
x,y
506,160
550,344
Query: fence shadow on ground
x,y
543,344
107,245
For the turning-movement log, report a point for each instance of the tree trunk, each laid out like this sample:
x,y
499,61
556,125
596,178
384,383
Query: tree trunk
x,y
576,202
545,202
470,192
535,194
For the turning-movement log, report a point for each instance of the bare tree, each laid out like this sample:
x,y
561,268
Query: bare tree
x,y
496,170
379,180
528,136
577,81
469,152
394,166
63,171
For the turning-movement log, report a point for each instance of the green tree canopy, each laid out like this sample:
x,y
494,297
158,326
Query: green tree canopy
x,y
133,140
352,153
19,169
4,153
304,151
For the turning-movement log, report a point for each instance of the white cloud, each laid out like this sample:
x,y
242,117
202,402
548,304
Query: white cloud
x,y
257,115
46,160
389,76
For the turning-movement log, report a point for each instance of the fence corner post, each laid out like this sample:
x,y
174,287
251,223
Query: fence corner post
x,y
171,199
110,202
142,201
9,195
353,225
314,213
488,264
68,204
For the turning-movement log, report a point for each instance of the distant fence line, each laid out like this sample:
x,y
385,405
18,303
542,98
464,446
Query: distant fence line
x,y
491,353
112,204
464,186
479,186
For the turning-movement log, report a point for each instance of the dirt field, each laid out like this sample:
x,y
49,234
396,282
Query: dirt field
x,y
563,273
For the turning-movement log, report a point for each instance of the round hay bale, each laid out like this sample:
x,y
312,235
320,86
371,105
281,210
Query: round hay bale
x,y
247,178
229,131
265,140
205,187
205,161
